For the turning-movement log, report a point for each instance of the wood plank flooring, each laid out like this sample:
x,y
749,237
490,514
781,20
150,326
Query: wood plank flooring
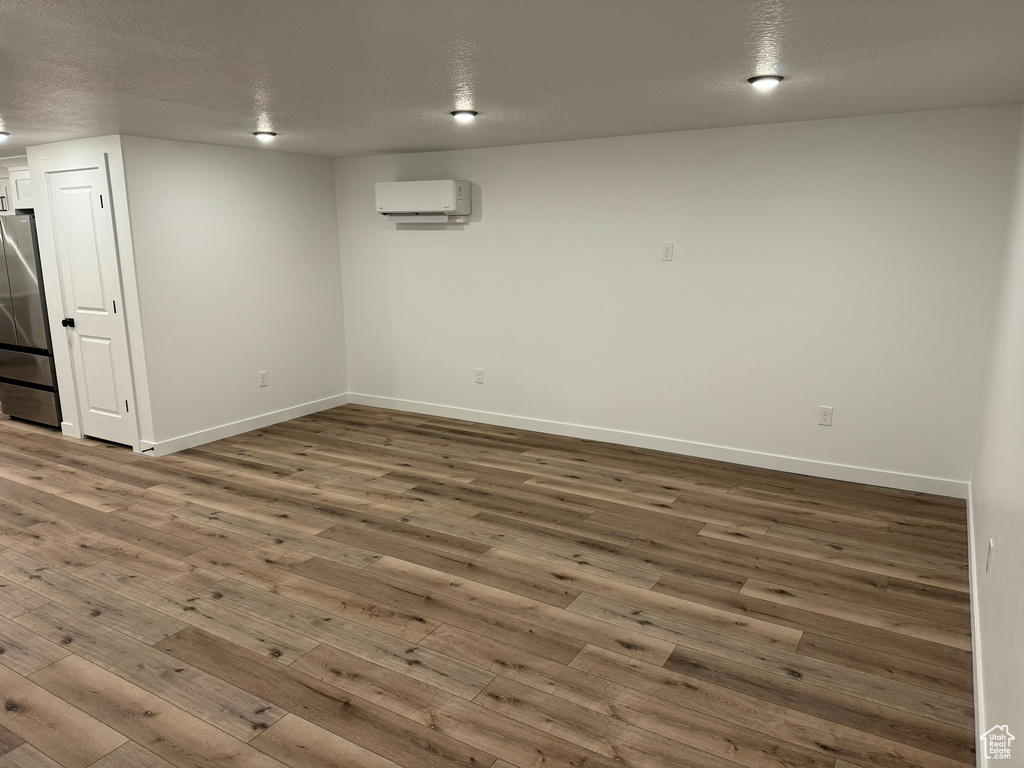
x,y
374,589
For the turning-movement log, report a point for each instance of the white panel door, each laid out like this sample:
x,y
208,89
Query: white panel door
x,y
83,232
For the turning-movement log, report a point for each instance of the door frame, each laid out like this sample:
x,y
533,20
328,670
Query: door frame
x,y
55,305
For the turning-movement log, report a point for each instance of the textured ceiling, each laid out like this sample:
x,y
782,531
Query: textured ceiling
x,y
353,77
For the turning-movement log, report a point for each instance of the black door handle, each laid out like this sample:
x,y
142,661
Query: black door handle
x,y
68,322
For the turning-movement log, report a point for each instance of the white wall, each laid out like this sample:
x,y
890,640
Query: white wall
x,y
236,255
997,502
846,262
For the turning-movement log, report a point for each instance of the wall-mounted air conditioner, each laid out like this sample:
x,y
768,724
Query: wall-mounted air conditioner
x,y
425,202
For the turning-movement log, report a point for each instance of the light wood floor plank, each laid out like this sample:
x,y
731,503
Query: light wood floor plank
x,y
900,623
532,611
736,623
857,561
169,732
815,732
414,661
49,723
300,744
134,619
231,709
445,609
275,642
372,588
444,713
608,698
27,756
25,651
372,727
131,755
793,692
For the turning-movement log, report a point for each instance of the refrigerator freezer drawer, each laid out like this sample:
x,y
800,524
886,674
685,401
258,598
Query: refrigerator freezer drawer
x,y
36,405
25,366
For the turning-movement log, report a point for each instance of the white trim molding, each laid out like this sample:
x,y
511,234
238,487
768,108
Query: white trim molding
x,y
979,680
867,475
180,443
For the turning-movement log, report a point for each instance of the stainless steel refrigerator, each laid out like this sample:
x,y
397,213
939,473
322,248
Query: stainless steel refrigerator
x,y
28,381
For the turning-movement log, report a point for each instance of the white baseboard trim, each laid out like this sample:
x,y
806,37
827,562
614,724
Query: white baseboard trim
x,y
979,680
165,447
866,475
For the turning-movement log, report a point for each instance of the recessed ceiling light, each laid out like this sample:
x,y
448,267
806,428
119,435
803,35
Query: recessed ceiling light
x,y
265,135
765,82
4,135
464,115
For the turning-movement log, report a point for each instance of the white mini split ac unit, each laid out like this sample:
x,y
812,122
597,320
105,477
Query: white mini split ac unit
x,y
425,202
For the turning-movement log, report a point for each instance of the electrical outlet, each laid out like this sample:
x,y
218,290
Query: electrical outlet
x,y
261,379
479,376
825,415
988,559
667,251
